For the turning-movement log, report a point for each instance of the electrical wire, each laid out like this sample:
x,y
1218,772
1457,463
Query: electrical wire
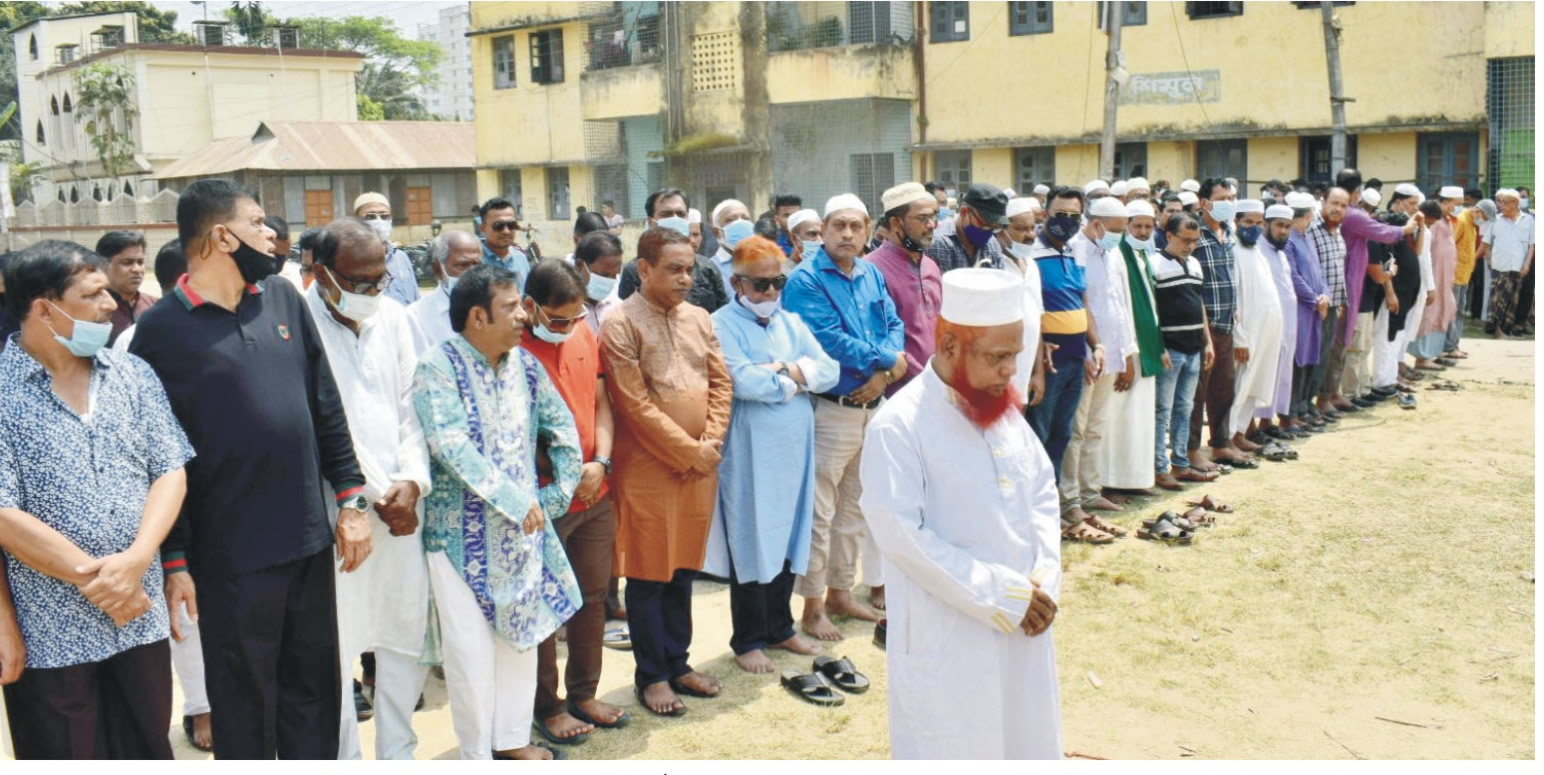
x,y
1184,57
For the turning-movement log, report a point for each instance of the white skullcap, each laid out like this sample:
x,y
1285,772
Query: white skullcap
x,y
1042,189
1010,193
1371,196
1301,200
693,216
1278,211
1106,207
1020,205
1190,185
1119,188
1407,189
1450,192
1140,208
802,217
1094,185
718,210
1137,184
904,194
370,198
1506,193
982,297
845,202
1249,206
1188,198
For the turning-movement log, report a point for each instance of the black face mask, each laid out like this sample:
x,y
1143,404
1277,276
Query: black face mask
x,y
906,241
1282,245
253,263
1063,226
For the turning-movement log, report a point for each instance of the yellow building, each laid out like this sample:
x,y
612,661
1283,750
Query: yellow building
x,y
186,96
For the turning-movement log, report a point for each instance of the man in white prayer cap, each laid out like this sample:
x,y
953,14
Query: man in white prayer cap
x,y
1095,189
1138,188
1273,246
694,228
1017,241
1188,200
1041,190
962,500
1118,190
1128,458
804,231
1190,185
1370,200
731,222
1257,330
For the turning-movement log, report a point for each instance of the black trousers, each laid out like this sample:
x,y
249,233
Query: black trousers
x,y
659,616
762,614
119,708
271,668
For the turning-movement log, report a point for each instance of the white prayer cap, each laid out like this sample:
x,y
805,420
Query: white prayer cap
x,y
845,202
1249,206
694,215
1106,207
371,198
1278,211
1042,189
1010,193
1451,192
1140,208
1022,204
724,205
1137,184
1301,200
1190,185
1094,185
800,218
982,297
1119,188
904,194
1407,189
1508,193
1188,198
1371,197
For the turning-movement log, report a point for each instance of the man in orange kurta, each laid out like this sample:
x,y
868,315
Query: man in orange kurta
x,y
671,394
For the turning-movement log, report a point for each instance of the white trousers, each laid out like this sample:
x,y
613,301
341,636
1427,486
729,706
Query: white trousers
x,y
399,680
492,686
188,662
873,568
1082,468
1386,354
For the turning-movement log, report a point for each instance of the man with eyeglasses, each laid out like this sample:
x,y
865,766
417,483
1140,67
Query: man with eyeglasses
x,y
375,209
669,209
983,211
384,607
499,224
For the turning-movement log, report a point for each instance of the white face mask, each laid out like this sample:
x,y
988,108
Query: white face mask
x,y
599,287
354,306
761,309
381,227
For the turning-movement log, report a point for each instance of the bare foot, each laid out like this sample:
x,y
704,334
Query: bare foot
x,y
530,753
817,624
798,645
602,712
203,732
1199,461
698,682
563,726
1229,454
1102,503
1242,444
877,597
839,602
661,699
755,662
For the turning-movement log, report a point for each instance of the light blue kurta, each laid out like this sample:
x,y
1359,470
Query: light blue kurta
x,y
766,480
482,423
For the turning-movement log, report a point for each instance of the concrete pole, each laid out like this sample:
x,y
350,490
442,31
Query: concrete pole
x,y
1112,12
1337,98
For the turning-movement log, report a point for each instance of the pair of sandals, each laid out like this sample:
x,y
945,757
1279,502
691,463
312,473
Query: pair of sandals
x,y
819,686
1277,452
575,711
1093,530
1446,384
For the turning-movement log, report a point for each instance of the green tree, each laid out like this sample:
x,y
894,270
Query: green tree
x,y
105,102
155,25
251,21
374,36
369,110
13,15
391,92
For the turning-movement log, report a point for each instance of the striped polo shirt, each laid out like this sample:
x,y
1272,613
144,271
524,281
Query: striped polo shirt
x,y
1181,314
1065,322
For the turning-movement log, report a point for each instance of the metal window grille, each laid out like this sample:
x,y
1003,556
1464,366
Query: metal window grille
x,y
1317,162
808,25
953,169
821,149
949,21
557,193
1130,160
1509,101
547,56
504,62
1199,10
1034,166
1133,14
1030,18
1222,159
509,188
1448,159
625,35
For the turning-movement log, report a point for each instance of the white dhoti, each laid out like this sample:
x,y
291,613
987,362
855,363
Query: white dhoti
x,y
1128,448
188,662
1386,354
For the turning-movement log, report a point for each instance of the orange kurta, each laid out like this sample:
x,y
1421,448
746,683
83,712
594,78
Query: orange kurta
x,y
669,389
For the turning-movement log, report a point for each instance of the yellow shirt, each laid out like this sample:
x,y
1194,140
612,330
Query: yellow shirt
x,y
1466,235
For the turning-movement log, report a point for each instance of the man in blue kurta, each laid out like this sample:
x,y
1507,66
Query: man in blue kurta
x,y
1313,306
760,536
500,577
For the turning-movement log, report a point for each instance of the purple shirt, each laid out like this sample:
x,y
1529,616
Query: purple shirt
x,y
1307,285
1357,229
918,291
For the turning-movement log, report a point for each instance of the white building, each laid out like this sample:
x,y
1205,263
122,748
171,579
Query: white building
x,y
454,97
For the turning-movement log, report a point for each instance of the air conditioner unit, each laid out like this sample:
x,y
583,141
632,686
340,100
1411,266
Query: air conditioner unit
x,y
209,34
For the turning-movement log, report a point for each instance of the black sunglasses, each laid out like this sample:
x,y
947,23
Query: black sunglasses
x,y
761,284
505,225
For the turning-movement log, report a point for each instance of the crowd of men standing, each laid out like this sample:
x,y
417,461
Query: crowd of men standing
x,y
257,480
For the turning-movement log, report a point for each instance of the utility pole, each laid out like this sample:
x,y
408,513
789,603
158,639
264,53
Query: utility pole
x,y
1338,99
1113,75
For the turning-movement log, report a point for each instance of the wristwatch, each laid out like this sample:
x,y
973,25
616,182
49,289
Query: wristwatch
x,y
605,463
357,502
782,370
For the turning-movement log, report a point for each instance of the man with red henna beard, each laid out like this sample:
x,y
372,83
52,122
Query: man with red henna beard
x,y
962,500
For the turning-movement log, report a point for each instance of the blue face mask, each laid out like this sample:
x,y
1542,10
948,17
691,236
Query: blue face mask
x,y
808,248
599,287
978,236
1222,211
675,222
945,214
449,283
87,338
736,231
1110,240
1249,235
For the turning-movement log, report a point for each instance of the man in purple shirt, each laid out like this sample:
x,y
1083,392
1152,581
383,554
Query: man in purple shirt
x,y
1357,229
912,278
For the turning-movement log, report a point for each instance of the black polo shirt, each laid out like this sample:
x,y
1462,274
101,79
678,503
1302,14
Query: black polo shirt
x,y
256,397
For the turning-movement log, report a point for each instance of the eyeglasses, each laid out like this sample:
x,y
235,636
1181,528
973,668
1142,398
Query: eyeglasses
x,y
561,324
505,225
361,287
761,284
923,219
377,216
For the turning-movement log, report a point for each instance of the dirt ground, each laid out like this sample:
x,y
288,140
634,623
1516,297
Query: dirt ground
x,y
1373,599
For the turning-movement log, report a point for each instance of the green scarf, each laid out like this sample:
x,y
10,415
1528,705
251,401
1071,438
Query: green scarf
x,y
1143,313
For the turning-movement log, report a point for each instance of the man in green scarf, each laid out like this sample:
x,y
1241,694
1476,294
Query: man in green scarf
x,y
1129,454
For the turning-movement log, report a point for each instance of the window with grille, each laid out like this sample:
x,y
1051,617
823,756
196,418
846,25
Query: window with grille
x,y
67,53
1130,160
1213,10
1222,159
504,62
1033,166
953,169
509,187
949,21
872,174
868,22
1509,102
1449,159
547,56
1133,14
1317,163
557,193
1029,18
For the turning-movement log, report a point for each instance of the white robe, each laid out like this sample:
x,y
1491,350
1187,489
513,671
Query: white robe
x,y
964,518
1128,445
1034,308
431,320
1259,329
1281,273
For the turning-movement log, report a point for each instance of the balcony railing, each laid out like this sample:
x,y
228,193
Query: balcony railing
x,y
811,25
628,35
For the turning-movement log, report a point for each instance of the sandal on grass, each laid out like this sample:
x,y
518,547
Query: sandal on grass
x,y
1211,504
1165,531
1181,522
1100,524
842,673
812,688
1087,534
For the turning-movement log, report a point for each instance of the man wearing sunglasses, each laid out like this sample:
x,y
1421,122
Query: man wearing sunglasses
x,y
983,210
499,224
375,209
384,606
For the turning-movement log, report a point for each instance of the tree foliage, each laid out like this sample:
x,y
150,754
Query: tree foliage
x,y
105,103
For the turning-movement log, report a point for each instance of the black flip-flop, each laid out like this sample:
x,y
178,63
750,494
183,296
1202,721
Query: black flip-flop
x,y
575,711
812,688
1247,465
541,726
676,713
187,729
681,688
842,673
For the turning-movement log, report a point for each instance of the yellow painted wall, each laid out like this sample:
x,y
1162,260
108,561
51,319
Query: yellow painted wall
x,y
848,72
623,92
491,15
1509,30
992,165
1387,156
1076,164
488,184
530,123
1170,160
1272,158
718,112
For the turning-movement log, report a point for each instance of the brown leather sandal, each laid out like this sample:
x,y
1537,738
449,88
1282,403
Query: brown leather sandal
x,y
1086,533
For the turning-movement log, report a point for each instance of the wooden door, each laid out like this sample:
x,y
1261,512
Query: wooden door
x,y
319,208
420,206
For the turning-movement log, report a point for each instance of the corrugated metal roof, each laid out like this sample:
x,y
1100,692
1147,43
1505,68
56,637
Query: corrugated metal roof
x,y
335,146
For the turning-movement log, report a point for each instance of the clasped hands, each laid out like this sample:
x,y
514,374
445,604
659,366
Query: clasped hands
x,y
115,584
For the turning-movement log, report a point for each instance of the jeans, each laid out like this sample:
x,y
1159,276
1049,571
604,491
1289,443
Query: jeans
x,y
1052,419
1176,398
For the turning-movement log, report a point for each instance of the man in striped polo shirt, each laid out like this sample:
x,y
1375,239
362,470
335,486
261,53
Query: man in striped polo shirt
x,y
1187,343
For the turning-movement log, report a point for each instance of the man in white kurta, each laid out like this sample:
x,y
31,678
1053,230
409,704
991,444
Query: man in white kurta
x,y
384,605
962,501
1017,241
451,254
1258,328
1278,223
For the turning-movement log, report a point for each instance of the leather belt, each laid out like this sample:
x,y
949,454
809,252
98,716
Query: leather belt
x,y
845,401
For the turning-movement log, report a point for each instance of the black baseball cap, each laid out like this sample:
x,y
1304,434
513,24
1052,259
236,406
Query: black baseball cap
x,y
989,201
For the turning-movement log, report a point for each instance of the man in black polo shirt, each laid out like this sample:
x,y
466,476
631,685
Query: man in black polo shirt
x,y
248,379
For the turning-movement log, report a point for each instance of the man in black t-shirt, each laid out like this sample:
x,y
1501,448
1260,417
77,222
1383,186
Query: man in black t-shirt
x,y
1187,342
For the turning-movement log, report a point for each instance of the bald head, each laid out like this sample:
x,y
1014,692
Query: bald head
x,y
346,236
454,252
449,241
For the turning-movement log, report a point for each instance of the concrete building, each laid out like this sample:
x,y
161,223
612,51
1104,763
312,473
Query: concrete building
x,y
452,97
186,96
